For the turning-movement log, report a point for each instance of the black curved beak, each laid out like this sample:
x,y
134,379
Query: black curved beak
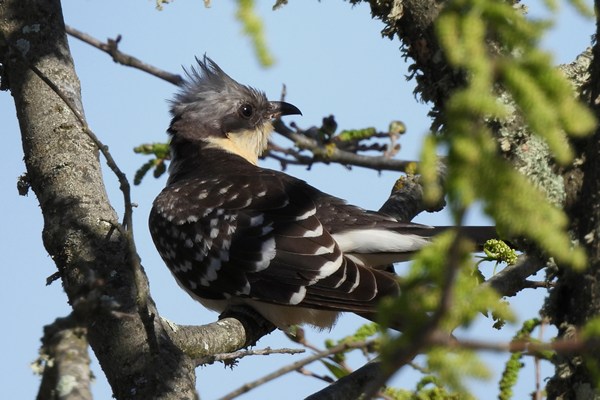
x,y
281,108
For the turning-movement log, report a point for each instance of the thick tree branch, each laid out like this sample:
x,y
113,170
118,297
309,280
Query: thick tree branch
x,y
65,362
351,386
237,328
512,279
64,172
574,301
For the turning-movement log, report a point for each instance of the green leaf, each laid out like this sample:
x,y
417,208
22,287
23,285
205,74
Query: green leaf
x,y
336,370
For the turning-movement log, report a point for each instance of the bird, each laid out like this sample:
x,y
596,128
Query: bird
x,y
235,234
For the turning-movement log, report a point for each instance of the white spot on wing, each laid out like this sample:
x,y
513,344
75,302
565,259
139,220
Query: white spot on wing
x,y
327,269
314,233
378,241
225,189
213,267
356,282
325,250
267,254
198,256
210,274
192,218
307,214
226,244
245,290
298,296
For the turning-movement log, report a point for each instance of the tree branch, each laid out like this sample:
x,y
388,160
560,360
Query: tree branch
x,y
126,229
237,328
320,154
64,172
111,48
335,155
354,385
236,355
294,366
512,279
64,361
351,386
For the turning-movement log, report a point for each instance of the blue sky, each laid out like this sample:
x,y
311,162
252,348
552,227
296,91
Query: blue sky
x,y
333,61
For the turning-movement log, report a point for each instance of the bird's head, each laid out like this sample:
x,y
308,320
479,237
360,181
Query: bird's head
x,y
217,111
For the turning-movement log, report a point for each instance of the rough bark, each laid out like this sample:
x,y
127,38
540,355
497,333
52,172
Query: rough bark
x,y
141,354
94,259
64,172
576,298
65,362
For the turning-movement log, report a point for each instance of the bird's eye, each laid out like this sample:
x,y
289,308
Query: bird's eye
x,y
246,110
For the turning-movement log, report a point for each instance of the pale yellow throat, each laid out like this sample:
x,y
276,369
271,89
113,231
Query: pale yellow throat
x,y
248,144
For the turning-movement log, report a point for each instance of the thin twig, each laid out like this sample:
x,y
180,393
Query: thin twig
x,y
111,47
294,366
572,345
340,156
333,155
309,373
236,355
538,372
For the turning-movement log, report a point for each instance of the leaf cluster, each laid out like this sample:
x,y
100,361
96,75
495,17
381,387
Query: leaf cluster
x,y
516,68
160,153
424,291
514,364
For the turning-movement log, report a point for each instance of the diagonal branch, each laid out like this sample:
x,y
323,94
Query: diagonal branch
x,y
353,386
340,348
111,47
126,229
321,154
